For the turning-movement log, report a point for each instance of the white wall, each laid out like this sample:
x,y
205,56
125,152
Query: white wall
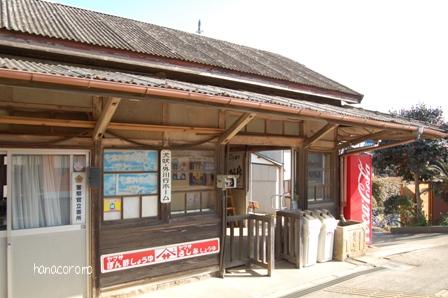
x,y
264,185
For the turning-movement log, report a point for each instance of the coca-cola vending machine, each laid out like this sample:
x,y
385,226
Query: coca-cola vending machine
x,y
358,190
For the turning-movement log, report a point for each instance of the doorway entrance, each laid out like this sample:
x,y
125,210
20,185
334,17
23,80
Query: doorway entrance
x,y
44,242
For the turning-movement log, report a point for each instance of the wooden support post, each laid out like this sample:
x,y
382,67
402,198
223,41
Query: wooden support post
x,y
271,245
106,116
318,135
235,128
95,221
299,240
222,256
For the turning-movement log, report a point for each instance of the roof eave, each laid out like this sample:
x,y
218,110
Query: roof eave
x,y
94,84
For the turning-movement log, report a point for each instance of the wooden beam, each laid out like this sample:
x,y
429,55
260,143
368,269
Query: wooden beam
x,y
378,147
70,123
318,135
106,116
235,128
43,107
363,138
266,140
384,134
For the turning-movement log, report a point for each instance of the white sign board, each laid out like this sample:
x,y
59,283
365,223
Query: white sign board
x,y
78,197
165,176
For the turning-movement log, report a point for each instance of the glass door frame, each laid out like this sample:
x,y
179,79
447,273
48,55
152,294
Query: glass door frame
x,y
33,231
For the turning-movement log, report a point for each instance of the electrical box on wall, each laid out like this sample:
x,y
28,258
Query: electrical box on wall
x,y
226,181
94,177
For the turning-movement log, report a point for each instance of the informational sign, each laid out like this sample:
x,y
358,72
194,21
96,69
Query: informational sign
x,y
165,176
235,166
163,254
226,181
78,197
359,191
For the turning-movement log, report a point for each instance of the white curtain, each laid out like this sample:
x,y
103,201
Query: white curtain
x,y
40,191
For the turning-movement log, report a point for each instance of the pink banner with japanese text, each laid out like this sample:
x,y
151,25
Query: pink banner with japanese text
x,y
156,255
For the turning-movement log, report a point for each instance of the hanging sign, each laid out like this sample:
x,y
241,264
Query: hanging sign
x,y
162,254
78,197
165,176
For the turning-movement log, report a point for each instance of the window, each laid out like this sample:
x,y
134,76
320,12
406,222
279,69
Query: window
x,y
318,176
47,190
130,187
193,182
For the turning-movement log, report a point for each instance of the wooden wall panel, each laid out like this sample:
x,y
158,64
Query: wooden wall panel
x,y
115,238
143,111
46,97
292,128
180,114
257,125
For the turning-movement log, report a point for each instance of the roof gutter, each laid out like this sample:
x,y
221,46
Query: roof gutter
x,y
204,98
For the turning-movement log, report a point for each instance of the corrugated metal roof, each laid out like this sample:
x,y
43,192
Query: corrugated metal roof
x,y
69,23
80,71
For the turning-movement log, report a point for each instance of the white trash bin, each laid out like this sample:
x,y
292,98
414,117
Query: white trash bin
x,y
311,231
326,237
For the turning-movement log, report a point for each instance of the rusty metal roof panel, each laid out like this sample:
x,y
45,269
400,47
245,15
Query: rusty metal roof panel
x,y
59,21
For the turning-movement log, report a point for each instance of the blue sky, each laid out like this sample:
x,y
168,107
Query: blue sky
x,y
394,52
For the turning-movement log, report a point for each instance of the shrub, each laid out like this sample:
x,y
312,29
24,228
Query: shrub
x,y
384,188
400,205
444,220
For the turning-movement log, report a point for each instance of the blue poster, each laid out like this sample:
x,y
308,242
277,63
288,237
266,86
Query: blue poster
x,y
130,161
132,184
110,184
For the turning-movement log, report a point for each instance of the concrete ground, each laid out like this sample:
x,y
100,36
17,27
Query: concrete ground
x,y
412,266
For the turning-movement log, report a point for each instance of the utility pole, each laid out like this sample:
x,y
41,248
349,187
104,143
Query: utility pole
x,y
199,31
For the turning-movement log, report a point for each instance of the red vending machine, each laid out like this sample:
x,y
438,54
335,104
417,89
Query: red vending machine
x,y
358,190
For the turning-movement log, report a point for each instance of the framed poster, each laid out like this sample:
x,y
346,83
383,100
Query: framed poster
x,y
130,161
130,184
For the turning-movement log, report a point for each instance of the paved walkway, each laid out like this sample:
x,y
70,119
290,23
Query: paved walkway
x,y
415,266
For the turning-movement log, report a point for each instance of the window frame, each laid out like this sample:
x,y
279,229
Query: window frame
x,y
327,194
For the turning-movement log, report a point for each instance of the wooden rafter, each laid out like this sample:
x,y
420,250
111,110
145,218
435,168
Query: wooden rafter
x,y
363,138
384,134
106,115
87,124
318,135
235,128
378,147
266,140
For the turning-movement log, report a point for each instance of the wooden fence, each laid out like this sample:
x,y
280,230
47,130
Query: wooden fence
x,y
250,241
288,236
